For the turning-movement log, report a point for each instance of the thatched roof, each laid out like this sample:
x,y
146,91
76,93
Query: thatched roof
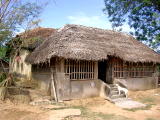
x,y
87,43
34,37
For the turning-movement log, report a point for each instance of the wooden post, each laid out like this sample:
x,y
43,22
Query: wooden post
x,y
62,65
53,85
96,70
112,72
124,70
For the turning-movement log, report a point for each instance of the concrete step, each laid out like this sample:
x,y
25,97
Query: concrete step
x,y
117,96
112,85
114,92
114,88
119,99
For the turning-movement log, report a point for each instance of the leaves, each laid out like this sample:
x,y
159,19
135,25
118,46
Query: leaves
x,y
16,15
142,15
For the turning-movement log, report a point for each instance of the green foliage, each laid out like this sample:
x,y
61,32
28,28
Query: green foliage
x,y
142,15
89,115
151,119
147,100
8,81
15,15
3,76
2,52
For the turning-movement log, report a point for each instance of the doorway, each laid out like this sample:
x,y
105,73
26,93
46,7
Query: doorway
x,y
102,70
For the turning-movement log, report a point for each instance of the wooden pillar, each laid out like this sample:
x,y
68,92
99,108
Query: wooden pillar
x,y
112,72
125,72
96,70
62,65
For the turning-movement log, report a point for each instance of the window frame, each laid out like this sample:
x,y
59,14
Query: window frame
x,y
123,69
79,69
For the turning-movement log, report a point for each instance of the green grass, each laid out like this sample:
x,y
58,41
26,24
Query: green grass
x,y
112,117
151,119
88,115
147,100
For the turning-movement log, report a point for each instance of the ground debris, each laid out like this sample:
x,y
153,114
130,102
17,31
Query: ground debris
x,y
42,102
63,113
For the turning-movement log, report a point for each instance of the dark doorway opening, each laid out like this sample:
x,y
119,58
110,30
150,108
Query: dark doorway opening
x,y
102,69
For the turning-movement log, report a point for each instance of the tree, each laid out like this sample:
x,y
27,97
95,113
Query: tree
x,y
142,15
15,15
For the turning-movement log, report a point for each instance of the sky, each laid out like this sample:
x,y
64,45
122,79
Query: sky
x,y
84,12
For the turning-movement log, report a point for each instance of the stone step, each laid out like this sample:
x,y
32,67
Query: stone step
x,y
114,92
114,89
120,99
112,85
117,96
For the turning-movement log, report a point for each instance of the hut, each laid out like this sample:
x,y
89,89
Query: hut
x,y
23,44
76,61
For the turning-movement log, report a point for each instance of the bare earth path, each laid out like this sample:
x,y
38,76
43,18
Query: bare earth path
x,y
91,108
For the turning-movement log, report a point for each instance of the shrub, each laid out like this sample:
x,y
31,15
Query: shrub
x,y
3,76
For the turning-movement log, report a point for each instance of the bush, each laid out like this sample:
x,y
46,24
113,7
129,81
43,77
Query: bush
x,y
3,91
9,81
3,76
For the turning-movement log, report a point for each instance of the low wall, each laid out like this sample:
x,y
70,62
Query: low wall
x,y
43,80
139,83
84,89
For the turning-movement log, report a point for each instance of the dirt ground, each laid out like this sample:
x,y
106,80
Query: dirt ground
x,y
91,109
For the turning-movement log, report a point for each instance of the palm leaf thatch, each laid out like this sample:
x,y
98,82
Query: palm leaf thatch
x,y
31,39
87,43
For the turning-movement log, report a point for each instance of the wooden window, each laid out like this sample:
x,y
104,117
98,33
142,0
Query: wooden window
x,y
123,69
79,70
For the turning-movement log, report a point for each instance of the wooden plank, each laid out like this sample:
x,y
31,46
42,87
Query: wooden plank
x,y
53,85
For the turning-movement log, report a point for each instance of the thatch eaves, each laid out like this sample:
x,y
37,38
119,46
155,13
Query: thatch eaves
x,y
87,43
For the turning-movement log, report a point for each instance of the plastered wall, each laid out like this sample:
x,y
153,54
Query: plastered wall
x,y
84,89
19,66
140,83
